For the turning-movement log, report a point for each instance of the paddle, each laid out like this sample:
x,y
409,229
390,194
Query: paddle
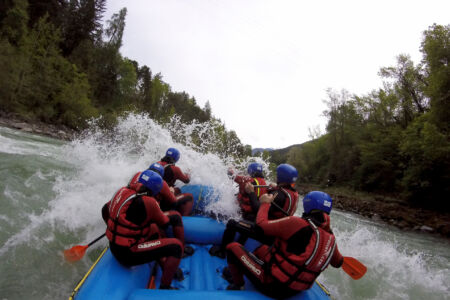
x,y
353,267
77,252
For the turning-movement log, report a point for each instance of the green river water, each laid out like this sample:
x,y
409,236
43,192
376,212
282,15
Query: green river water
x,y
51,194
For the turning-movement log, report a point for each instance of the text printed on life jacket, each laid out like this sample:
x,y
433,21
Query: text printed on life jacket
x,y
250,265
149,244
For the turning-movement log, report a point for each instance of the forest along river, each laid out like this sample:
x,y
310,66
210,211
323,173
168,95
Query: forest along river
x,y
52,193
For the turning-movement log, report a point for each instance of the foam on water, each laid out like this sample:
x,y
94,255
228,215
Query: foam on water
x,y
396,269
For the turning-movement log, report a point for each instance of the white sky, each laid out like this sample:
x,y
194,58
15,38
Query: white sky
x,y
265,65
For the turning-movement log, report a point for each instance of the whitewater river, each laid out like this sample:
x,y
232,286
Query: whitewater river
x,y
51,194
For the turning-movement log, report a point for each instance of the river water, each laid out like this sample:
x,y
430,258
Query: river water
x,y
51,194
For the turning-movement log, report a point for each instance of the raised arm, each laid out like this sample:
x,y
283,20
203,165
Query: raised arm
x,y
282,228
178,174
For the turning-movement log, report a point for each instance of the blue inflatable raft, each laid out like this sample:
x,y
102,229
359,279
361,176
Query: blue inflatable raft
x,y
108,279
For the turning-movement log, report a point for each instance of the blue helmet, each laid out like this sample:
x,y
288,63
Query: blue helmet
x,y
173,153
152,181
157,168
254,168
286,174
317,200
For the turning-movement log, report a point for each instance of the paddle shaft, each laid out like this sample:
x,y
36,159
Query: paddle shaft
x,y
274,196
96,240
282,210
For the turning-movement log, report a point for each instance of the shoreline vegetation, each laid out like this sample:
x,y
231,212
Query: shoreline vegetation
x,y
376,207
389,210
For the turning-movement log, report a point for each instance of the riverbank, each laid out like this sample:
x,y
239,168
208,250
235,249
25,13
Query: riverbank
x,y
392,211
37,127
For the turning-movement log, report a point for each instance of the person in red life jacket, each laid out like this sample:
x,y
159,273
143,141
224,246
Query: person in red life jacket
x,y
173,173
182,202
166,198
284,204
133,219
256,178
303,248
167,201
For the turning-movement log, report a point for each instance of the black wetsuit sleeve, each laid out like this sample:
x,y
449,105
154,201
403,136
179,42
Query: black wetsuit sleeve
x,y
254,202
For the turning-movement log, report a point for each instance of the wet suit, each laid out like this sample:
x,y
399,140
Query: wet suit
x,y
182,202
172,173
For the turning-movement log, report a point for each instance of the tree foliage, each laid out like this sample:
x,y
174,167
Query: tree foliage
x,y
394,140
60,65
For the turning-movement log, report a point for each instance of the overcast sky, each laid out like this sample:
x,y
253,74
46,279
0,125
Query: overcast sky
x,y
265,66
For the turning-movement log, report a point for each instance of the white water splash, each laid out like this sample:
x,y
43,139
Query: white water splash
x,y
105,162
395,269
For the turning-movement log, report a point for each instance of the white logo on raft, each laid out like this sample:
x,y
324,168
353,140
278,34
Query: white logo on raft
x,y
149,245
326,253
250,265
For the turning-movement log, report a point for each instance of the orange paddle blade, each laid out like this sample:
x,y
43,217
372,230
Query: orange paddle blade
x,y
75,253
152,283
354,267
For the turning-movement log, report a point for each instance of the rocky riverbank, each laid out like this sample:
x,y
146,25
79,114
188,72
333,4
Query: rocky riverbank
x,y
56,131
391,211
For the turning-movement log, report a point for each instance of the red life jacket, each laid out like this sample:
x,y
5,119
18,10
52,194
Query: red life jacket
x,y
290,204
243,199
119,230
298,272
134,183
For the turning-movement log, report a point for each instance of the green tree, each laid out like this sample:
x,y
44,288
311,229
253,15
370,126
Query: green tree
x,y
408,87
427,175
436,58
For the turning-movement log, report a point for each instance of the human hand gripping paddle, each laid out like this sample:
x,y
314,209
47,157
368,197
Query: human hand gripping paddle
x,y
77,252
353,267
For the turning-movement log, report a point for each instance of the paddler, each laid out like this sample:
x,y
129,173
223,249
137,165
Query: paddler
x,y
255,177
166,198
303,248
133,219
172,173
285,204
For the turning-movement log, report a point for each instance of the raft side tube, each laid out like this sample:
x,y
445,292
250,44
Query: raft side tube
x,y
111,280
202,194
314,293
